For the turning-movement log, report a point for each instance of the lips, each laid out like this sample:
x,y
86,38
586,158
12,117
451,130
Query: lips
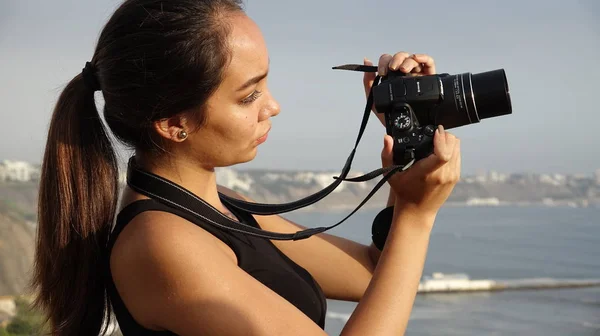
x,y
264,137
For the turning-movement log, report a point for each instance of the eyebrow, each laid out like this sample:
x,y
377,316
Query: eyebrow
x,y
253,80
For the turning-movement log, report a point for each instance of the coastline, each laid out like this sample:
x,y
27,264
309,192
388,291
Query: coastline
x,y
454,204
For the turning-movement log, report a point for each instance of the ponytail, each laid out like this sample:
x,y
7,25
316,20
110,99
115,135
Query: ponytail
x,y
76,205
141,65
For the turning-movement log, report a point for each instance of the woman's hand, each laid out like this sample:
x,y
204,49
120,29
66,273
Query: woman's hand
x,y
426,185
413,64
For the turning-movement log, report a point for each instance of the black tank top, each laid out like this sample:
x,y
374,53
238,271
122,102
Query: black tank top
x,y
258,257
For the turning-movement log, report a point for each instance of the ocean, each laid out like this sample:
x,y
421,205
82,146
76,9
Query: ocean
x,y
496,243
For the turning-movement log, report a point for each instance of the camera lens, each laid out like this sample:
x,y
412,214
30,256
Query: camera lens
x,y
468,98
492,97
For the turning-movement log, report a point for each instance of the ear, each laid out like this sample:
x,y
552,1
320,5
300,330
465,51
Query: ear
x,y
171,128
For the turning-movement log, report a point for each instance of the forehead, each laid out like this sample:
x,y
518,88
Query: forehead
x,y
249,56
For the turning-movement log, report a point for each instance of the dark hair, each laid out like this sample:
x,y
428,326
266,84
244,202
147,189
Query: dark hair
x,y
154,59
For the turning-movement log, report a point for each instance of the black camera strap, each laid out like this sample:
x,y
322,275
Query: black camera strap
x,y
175,196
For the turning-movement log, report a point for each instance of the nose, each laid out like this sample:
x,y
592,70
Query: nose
x,y
271,109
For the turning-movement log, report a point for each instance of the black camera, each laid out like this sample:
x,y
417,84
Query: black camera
x,y
414,106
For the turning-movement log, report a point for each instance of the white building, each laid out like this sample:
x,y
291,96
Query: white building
x,y
440,282
553,179
18,171
480,201
497,177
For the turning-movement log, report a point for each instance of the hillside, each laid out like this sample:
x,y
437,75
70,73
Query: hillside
x,y
18,203
17,236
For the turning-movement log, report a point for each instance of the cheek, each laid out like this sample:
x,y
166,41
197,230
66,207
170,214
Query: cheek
x,y
241,126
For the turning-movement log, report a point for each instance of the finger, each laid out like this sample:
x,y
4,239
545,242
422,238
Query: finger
x,y
368,78
427,62
387,154
443,146
397,60
455,151
457,161
384,62
410,65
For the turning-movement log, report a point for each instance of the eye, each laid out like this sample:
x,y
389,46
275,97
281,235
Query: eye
x,y
252,97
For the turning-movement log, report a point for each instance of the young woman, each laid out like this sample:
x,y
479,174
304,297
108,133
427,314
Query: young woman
x,y
185,85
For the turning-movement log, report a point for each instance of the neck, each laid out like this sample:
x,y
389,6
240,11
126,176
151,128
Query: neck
x,y
198,179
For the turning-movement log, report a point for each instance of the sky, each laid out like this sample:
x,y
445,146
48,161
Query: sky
x,y
549,49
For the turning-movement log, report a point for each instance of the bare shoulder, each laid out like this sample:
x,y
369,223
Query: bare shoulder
x,y
173,275
147,247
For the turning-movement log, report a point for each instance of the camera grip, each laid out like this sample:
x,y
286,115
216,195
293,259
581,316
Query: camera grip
x,y
417,145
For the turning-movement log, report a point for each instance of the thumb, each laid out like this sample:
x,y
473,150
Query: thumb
x,y
443,147
387,154
368,78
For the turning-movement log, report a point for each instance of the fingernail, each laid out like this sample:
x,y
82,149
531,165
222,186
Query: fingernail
x,y
441,129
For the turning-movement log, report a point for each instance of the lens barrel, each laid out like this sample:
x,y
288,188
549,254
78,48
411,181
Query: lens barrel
x,y
468,98
492,97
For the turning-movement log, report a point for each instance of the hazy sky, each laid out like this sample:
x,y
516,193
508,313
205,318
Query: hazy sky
x,y
549,49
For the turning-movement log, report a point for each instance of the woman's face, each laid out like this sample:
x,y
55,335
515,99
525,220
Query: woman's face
x,y
237,114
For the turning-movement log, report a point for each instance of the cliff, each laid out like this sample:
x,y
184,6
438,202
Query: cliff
x,y
17,236
18,203
492,188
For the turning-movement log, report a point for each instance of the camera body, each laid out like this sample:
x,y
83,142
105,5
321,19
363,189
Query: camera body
x,y
400,98
414,106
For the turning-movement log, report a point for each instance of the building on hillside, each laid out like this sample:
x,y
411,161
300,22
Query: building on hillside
x,y
18,171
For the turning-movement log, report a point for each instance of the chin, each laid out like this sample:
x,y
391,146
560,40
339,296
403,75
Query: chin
x,y
250,155
242,158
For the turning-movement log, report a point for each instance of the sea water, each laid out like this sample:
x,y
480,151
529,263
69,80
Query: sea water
x,y
496,243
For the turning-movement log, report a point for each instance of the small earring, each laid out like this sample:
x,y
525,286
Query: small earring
x,y
182,135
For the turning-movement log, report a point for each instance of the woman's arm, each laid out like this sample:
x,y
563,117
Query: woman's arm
x,y
173,275
387,303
